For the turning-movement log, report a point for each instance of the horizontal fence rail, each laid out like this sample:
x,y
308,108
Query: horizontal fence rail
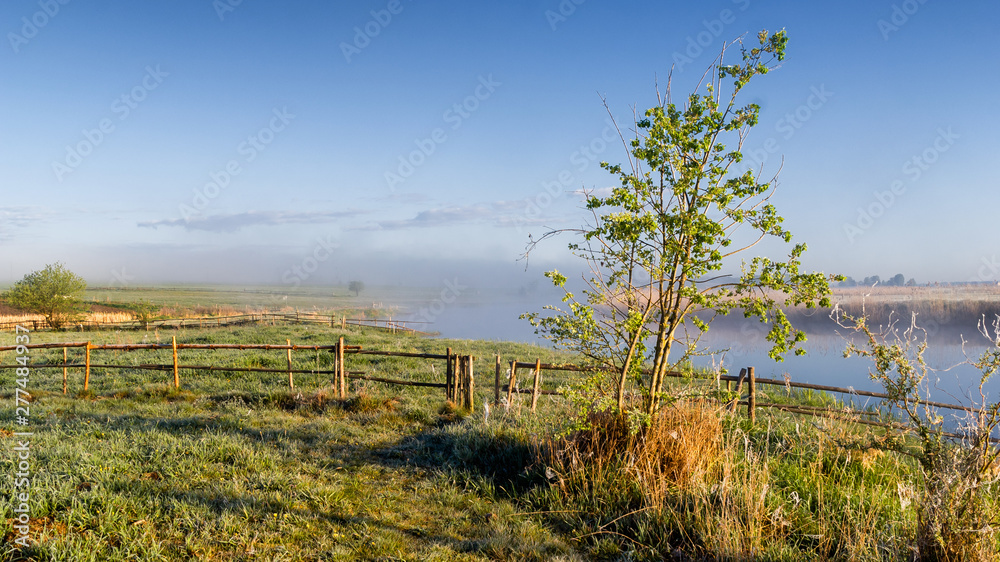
x,y
826,388
459,379
458,382
774,382
745,376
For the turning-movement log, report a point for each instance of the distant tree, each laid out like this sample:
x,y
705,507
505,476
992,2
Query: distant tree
x,y
911,283
869,281
897,280
53,292
849,282
356,286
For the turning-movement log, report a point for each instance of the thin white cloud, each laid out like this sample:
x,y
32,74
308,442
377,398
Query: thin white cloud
x,y
15,218
404,198
233,222
515,221
22,215
502,214
434,218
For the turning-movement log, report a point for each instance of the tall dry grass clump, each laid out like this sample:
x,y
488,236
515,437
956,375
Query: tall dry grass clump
x,y
674,483
678,449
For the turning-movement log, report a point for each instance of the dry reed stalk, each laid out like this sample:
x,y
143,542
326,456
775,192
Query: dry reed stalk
x,y
101,317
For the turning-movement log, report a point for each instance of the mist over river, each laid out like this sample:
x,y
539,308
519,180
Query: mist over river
x,y
495,317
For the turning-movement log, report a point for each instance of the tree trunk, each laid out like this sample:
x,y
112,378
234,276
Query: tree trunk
x,y
627,366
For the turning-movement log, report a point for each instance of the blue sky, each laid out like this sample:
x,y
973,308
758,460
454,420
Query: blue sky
x,y
407,142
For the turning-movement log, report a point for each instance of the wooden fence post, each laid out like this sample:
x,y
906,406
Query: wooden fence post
x,y
448,374
336,367
459,372
177,378
454,372
513,380
496,384
65,356
534,390
752,401
739,389
291,381
341,371
470,384
86,368
343,322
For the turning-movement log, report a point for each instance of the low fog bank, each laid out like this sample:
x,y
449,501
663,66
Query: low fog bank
x,y
318,264
945,314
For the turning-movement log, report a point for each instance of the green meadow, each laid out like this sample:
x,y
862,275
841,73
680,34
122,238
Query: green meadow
x,y
236,466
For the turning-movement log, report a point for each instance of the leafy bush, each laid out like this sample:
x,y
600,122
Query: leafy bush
x,y
54,292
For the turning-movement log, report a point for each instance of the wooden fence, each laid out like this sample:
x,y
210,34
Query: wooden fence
x,y
390,325
459,383
746,377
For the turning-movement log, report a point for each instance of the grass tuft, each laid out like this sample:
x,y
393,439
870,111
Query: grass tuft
x,y
366,403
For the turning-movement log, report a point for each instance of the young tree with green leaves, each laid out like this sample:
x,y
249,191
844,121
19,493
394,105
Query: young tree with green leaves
x,y
53,292
684,209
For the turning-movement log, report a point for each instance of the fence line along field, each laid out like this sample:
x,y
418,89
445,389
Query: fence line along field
x,y
236,465
458,379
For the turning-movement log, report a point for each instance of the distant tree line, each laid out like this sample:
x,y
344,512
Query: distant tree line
x,y
895,281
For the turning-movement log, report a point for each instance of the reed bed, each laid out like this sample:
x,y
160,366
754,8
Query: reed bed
x,y
97,313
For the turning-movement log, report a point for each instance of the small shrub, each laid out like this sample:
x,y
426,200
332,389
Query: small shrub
x,y
956,510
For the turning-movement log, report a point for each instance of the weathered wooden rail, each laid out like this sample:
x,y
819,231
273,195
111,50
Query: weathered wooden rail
x,y
746,376
458,384
459,379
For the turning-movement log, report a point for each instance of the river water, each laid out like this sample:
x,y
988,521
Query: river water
x,y
496,318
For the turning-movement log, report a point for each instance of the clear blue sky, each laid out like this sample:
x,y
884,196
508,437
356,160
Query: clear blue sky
x,y
314,105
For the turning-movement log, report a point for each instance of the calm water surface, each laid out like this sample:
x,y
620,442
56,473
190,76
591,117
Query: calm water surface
x,y
497,319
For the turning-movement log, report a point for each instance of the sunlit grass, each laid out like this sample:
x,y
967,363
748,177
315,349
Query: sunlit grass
x,y
237,466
